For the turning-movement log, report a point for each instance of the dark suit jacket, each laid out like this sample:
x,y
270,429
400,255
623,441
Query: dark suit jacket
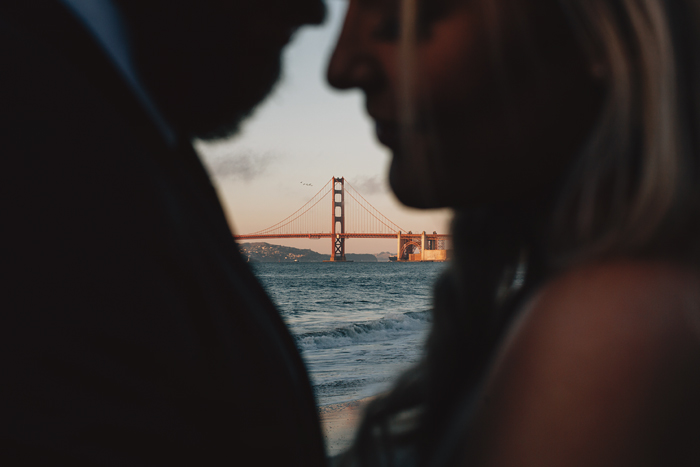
x,y
131,333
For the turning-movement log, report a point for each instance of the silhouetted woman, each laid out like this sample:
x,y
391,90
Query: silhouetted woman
x,y
566,136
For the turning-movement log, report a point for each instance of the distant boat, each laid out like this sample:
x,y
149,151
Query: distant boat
x,y
392,258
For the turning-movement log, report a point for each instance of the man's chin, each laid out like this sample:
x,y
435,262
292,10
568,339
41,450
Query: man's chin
x,y
219,131
412,188
223,124
225,120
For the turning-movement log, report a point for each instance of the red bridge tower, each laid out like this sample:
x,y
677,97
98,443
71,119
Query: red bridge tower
x,y
338,202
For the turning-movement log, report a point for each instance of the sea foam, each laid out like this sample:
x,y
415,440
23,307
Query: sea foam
x,y
388,327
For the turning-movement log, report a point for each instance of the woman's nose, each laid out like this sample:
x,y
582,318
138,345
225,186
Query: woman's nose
x,y
347,72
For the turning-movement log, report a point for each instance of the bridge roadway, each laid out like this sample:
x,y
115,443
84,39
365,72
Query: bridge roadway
x,y
412,236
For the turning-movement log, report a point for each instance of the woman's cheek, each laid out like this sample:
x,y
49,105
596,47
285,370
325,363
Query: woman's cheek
x,y
452,71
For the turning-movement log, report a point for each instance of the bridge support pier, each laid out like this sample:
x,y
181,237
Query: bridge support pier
x,y
431,247
405,246
398,247
338,204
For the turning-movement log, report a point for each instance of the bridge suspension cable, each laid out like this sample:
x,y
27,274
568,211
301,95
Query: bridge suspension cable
x,y
351,216
312,217
354,215
362,217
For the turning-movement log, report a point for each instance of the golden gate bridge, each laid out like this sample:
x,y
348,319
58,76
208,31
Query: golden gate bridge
x,y
351,216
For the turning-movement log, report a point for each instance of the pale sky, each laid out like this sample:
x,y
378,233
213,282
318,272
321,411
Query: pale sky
x,y
307,132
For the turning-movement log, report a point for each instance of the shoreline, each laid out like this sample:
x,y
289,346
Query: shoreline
x,y
339,422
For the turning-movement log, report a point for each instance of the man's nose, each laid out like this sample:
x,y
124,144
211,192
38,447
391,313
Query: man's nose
x,y
350,65
301,12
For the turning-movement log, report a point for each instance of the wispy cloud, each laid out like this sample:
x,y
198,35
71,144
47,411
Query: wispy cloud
x,y
242,165
370,185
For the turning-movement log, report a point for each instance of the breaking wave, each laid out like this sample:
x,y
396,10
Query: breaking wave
x,y
389,327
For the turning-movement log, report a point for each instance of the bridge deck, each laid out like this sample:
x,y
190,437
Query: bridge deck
x,y
341,235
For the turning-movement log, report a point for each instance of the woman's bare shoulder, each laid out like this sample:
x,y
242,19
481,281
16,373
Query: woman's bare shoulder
x,y
602,368
625,300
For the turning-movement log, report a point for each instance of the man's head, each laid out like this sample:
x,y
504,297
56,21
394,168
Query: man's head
x,y
208,63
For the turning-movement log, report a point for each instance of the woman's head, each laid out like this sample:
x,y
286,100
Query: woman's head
x,y
590,109
582,101
492,85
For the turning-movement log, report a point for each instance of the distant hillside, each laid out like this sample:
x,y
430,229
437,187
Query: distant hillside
x,y
384,256
360,258
265,253
262,252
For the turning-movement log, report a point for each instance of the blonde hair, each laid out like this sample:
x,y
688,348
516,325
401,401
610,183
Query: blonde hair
x,y
635,180
632,190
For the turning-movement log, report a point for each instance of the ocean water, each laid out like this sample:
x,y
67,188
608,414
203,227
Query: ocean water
x,y
357,324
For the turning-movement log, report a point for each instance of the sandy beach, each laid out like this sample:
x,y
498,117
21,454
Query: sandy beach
x,y
339,422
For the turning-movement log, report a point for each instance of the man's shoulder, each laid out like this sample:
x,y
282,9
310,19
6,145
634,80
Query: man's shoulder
x,y
47,42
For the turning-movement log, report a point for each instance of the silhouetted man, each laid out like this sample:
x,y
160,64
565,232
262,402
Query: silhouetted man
x,y
131,331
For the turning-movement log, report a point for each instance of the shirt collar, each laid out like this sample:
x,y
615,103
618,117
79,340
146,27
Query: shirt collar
x,y
105,22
